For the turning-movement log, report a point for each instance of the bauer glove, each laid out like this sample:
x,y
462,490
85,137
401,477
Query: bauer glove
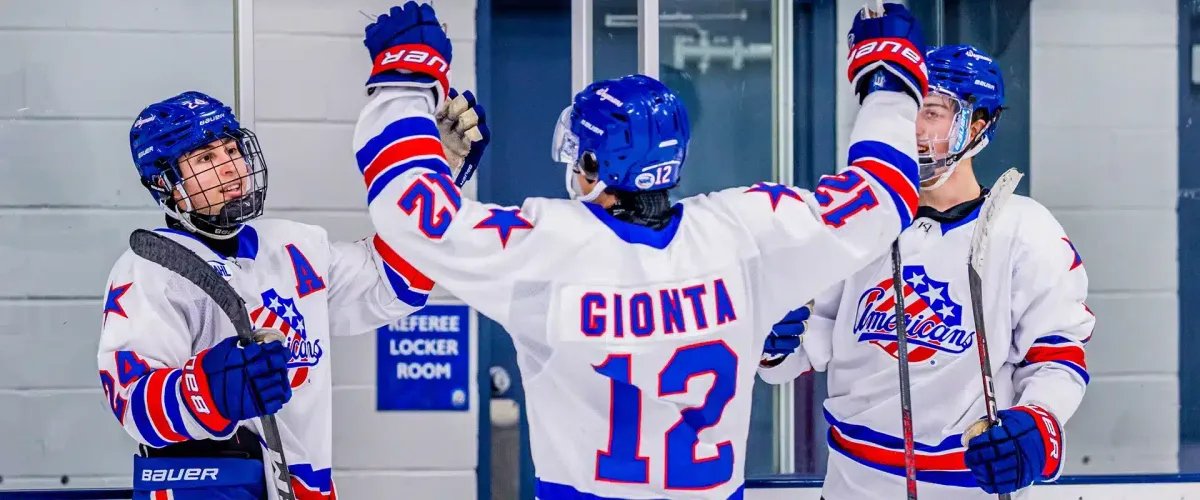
x,y
229,382
888,53
1027,446
409,48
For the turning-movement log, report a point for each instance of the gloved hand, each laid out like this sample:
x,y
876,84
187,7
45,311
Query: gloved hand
x,y
784,338
1025,447
464,133
228,382
410,48
888,53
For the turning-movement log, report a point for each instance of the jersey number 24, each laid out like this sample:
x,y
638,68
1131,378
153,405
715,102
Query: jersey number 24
x,y
622,462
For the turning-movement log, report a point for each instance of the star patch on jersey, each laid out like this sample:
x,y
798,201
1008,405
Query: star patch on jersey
x,y
504,221
1078,260
776,192
112,302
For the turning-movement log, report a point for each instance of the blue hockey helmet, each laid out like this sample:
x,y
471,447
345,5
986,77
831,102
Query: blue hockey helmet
x,y
199,164
964,81
627,134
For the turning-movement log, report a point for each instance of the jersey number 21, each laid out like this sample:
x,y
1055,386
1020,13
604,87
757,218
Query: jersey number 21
x,y
622,462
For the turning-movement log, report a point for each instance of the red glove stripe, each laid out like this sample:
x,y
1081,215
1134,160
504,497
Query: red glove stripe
x,y
1051,437
198,397
415,58
896,50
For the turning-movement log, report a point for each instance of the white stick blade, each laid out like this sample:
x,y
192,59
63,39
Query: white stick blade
x,y
997,197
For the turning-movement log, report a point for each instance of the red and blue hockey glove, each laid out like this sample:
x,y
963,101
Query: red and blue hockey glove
x,y
228,382
888,53
784,338
1025,447
462,125
409,48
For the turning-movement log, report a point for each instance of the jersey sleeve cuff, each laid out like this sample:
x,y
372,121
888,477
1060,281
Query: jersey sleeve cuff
x,y
1052,439
198,398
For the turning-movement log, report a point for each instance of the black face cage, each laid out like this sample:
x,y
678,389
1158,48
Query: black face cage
x,y
218,169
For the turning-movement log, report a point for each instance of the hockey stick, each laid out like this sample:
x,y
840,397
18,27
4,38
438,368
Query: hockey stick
x,y
910,458
180,260
1001,191
910,455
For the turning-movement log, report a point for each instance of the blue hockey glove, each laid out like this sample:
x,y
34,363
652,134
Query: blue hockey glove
x,y
462,125
784,338
1025,447
409,47
227,383
888,53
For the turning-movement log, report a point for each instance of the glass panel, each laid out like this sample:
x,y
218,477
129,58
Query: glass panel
x,y
615,40
73,76
717,55
815,49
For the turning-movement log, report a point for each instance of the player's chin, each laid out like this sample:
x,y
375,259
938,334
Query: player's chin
x,y
226,197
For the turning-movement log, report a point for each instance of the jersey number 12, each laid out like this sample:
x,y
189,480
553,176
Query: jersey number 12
x,y
622,462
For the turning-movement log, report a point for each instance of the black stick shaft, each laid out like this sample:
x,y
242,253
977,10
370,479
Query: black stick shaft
x,y
910,459
985,363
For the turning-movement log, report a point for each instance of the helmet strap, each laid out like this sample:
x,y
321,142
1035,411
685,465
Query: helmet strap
x,y
576,190
977,143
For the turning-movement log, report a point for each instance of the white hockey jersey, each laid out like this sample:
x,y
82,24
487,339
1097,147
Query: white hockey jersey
x,y
292,279
1037,327
637,348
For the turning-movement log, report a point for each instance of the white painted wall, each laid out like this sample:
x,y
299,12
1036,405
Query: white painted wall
x,y
73,75
1104,148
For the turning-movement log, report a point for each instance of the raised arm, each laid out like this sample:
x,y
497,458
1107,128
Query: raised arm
x,y
473,250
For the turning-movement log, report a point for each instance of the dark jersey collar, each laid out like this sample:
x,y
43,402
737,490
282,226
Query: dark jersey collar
x,y
955,216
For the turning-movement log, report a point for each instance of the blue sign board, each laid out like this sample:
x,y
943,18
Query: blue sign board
x,y
424,361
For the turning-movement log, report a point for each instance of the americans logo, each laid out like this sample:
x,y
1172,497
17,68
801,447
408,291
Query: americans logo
x,y
283,315
933,319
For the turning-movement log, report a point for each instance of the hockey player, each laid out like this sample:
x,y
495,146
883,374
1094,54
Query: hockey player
x,y
209,175
634,319
1037,324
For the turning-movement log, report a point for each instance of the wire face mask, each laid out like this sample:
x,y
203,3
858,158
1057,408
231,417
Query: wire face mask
x,y
229,179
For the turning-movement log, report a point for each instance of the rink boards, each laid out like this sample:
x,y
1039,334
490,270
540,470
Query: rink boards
x,y
1125,487
1131,487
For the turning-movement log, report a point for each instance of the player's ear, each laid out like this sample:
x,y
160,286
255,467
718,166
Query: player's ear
x,y
977,127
